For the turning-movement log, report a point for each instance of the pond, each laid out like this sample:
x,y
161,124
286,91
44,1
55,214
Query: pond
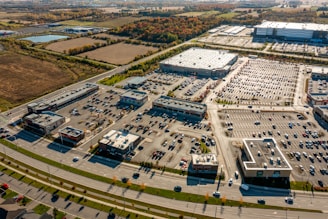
x,y
45,38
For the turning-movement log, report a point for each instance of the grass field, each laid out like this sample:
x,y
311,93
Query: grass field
x,y
110,23
197,13
228,15
118,54
112,37
24,77
62,46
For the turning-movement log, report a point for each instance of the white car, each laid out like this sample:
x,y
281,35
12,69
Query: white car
x,y
230,181
289,200
216,194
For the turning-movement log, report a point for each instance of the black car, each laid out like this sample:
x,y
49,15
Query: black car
x,y
320,183
125,179
177,188
261,201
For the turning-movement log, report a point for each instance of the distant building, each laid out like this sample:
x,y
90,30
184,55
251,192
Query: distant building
x,y
54,25
71,134
180,107
134,97
6,32
63,99
136,82
84,30
321,115
317,93
204,163
78,29
263,159
200,62
119,143
292,31
43,123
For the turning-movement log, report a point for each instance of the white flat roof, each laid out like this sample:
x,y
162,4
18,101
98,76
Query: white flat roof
x,y
118,139
259,151
204,159
201,58
291,25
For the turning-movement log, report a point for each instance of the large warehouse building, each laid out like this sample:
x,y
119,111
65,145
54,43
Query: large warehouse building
x,y
200,62
292,31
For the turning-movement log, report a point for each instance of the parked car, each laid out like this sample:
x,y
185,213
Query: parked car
x,y
177,188
216,194
261,201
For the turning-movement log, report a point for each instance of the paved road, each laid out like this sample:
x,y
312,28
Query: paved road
x,y
76,210
166,181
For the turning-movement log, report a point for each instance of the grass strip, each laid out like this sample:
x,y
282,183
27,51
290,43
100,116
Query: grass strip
x,y
41,209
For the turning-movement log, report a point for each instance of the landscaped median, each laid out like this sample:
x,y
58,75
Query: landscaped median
x,y
111,198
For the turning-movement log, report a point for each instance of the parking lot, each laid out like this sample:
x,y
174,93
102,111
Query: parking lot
x,y
166,141
262,82
94,113
302,48
303,142
237,41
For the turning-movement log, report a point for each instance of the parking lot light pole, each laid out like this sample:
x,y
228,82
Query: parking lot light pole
x,y
219,182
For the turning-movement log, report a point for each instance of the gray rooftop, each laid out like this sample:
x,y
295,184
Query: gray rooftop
x,y
66,97
134,94
137,80
44,119
70,131
208,59
264,154
180,104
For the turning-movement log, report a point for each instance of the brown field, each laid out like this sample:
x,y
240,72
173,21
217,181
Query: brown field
x,y
23,78
112,37
71,44
118,54
118,22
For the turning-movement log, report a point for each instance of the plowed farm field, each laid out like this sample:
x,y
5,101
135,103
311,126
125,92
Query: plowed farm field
x,y
118,54
66,45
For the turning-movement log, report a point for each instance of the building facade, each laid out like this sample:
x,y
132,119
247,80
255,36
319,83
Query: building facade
x,y
180,107
310,32
262,159
204,163
43,123
71,134
134,97
119,143
317,93
63,99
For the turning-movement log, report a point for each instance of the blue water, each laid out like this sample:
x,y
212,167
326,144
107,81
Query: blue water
x,y
45,38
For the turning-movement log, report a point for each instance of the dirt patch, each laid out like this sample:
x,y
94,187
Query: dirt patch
x,y
118,54
23,78
72,44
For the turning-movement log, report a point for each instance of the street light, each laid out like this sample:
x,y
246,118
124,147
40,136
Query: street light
x,y
219,179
